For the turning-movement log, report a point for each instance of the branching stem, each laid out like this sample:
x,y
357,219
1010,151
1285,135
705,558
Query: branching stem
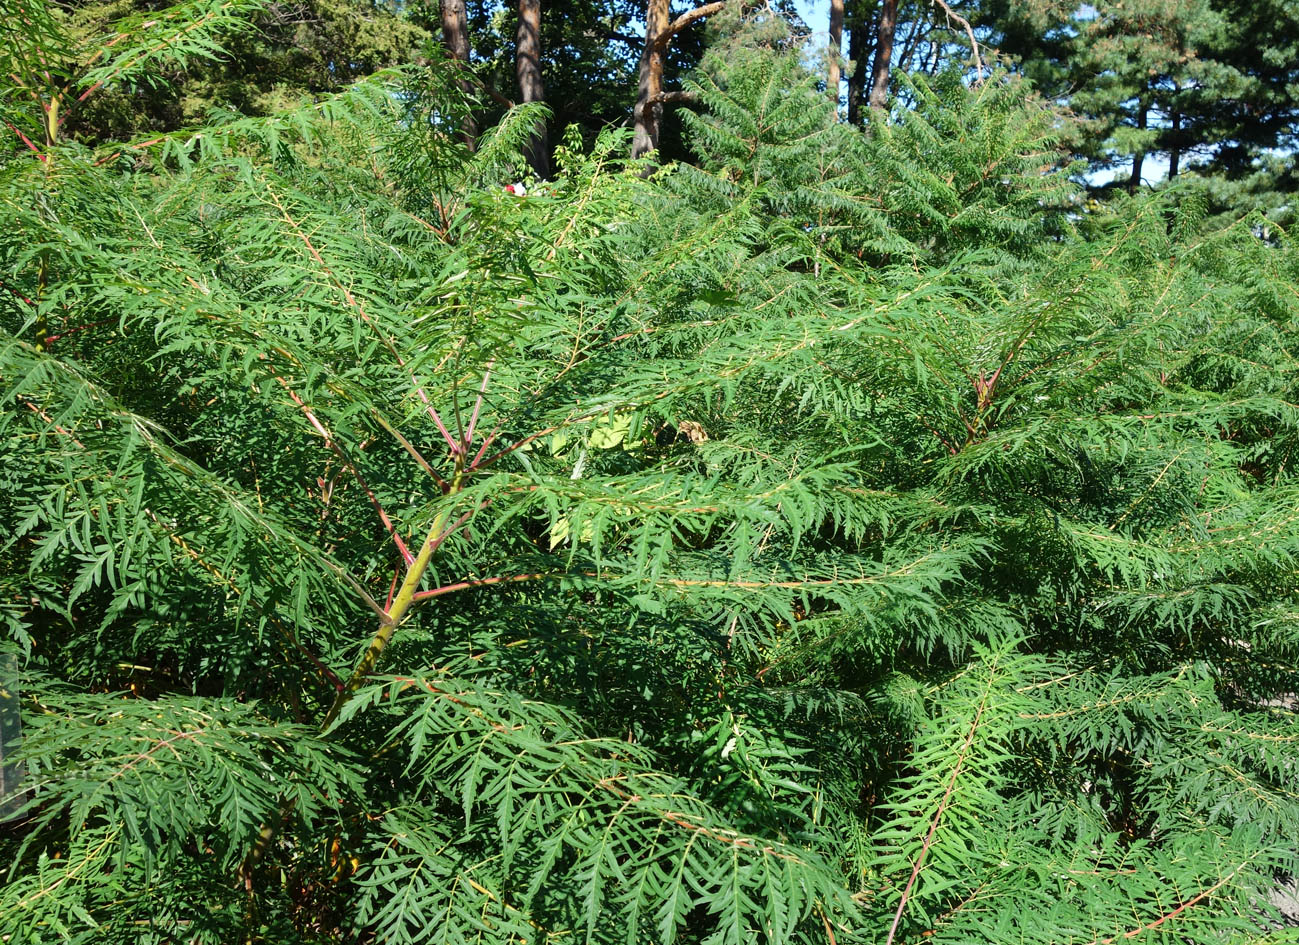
x,y
938,815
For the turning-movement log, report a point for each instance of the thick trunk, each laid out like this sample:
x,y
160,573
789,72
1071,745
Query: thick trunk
x,y
1143,116
455,36
858,53
835,51
883,54
527,67
648,114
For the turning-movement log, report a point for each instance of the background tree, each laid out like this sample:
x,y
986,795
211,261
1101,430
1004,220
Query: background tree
x,y
647,115
922,38
880,65
288,52
835,50
455,37
1206,85
528,70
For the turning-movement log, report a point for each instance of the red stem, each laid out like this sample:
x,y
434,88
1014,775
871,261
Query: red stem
x,y
99,162
53,338
487,441
473,419
392,590
510,449
360,310
14,292
28,141
356,473
484,582
1170,915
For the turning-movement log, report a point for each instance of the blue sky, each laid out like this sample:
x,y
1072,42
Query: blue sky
x,y
815,13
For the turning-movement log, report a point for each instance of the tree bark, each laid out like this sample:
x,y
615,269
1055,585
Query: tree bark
x,y
648,113
455,36
527,68
1143,117
883,54
1175,138
858,53
835,51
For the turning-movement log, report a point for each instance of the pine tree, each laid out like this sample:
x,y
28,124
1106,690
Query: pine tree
x,y
1206,86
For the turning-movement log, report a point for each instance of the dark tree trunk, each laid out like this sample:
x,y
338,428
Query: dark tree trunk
x,y
836,50
1143,117
883,54
859,32
455,36
527,67
1175,155
648,113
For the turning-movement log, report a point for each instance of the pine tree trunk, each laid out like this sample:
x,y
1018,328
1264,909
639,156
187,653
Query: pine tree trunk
x,y
1143,117
836,50
527,67
883,54
648,114
455,36
1175,155
858,50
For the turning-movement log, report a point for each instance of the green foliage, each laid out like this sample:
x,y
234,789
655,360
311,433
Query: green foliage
x,y
124,68
842,537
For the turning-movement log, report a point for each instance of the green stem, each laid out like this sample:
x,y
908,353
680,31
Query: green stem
x,y
397,612
401,603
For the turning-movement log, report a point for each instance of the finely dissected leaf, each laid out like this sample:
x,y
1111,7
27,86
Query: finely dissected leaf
x,y
844,537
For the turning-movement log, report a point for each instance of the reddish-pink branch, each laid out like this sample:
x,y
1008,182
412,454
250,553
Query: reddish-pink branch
x,y
1133,933
487,442
16,294
436,543
510,449
72,331
478,404
28,141
89,92
133,146
483,582
50,420
392,590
